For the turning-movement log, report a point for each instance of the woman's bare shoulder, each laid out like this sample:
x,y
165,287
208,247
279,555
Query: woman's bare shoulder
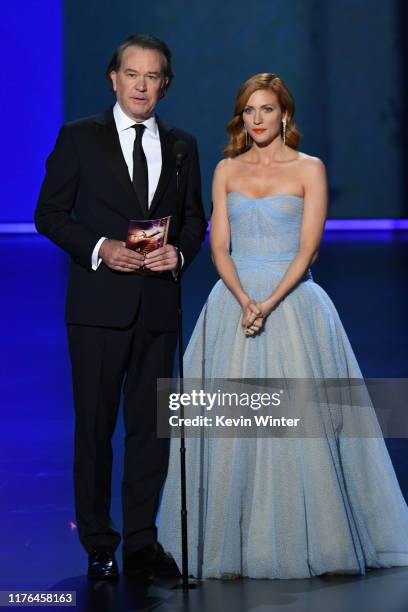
x,y
227,162
312,173
224,168
309,161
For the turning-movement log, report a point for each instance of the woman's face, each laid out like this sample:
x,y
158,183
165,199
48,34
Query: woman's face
x,y
262,116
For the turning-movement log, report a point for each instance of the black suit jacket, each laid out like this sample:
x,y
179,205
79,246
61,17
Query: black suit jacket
x,y
87,193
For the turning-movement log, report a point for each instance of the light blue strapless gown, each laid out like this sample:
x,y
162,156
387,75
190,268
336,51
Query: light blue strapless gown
x,y
273,507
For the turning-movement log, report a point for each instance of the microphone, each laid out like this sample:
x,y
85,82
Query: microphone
x,y
180,150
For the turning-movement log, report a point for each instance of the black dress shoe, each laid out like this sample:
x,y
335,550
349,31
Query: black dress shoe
x,y
151,560
102,565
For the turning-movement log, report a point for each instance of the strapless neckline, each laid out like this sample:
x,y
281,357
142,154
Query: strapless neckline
x,y
272,195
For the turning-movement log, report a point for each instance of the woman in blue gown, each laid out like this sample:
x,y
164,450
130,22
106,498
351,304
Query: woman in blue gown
x,y
270,507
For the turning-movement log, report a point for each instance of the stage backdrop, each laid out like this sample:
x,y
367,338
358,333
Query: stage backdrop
x,y
341,59
31,47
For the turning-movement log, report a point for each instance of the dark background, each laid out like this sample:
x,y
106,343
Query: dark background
x,y
342,59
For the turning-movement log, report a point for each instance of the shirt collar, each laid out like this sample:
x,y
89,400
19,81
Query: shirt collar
x,y
124,122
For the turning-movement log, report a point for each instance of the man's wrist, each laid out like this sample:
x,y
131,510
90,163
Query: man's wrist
x,y
180,263
96,259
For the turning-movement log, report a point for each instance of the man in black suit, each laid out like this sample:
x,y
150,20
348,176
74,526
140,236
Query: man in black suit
x,y
122,325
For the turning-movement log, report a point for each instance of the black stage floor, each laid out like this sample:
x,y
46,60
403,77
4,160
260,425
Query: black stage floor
x,y
377,591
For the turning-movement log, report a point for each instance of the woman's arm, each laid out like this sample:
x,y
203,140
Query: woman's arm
x,y
220,238
314,217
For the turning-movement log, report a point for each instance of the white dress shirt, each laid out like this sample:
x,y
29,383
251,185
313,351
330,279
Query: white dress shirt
x,y
150,144
152,150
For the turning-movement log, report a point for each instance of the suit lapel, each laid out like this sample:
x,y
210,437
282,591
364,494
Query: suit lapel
x,y
111,148
167,140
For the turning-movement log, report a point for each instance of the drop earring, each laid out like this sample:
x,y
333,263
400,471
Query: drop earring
x,y
284,130
246,137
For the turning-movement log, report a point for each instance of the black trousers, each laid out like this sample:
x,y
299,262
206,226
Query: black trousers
x,y
102,359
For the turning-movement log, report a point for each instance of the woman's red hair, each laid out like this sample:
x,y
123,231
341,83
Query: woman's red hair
x,y
235,128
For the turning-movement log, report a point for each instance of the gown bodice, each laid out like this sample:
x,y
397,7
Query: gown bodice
x,y
264,231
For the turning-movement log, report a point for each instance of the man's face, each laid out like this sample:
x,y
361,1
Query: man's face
x,y
139,83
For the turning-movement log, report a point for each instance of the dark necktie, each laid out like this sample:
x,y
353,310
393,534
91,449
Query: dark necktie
x,y
140,176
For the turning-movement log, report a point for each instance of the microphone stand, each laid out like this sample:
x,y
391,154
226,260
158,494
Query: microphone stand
x,y
186,584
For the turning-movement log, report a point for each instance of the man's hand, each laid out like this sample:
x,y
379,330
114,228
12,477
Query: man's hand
x,y
162,259
116,256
